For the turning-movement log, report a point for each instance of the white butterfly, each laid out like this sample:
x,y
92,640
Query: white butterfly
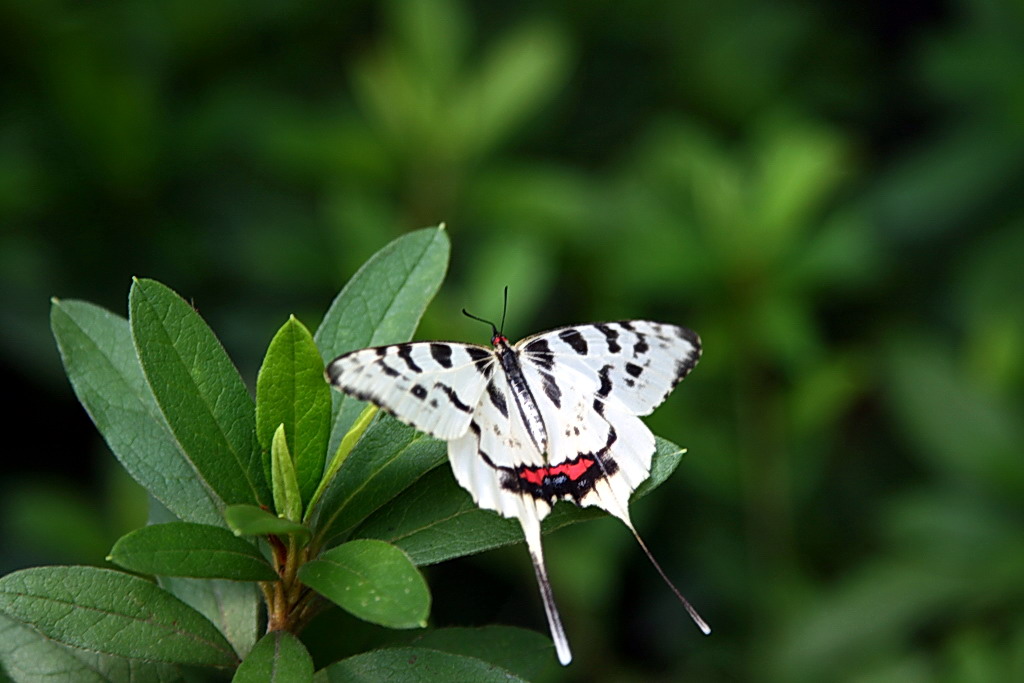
x,y
553,417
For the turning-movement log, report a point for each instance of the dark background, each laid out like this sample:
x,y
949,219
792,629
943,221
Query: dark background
x,y
829,192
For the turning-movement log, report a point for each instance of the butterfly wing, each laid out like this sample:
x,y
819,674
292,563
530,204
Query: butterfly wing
x,y
634,363
433,386
598,452
596,379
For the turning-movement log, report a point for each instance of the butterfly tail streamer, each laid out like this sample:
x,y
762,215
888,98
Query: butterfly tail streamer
x,y
701,624
531,531
611,502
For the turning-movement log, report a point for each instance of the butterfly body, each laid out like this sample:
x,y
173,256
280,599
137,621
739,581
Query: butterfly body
x,y
552,417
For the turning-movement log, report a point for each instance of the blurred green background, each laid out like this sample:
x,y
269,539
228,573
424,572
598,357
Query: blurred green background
x,y
828,192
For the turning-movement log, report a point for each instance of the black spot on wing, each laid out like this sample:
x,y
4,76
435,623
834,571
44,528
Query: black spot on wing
x,y
453,398
539,353
606,382
442,353
481,359
633,369
603,390
538,346
497,398
611,337
551,389
418,391
688,335
382,350
405,353
640,347
387,369
574,339
626,325
684,365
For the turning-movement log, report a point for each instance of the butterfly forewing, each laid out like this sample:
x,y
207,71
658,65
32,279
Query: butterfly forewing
x,y
433,386
633,362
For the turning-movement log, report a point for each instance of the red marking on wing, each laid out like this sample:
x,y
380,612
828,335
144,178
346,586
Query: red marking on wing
x,y
574,470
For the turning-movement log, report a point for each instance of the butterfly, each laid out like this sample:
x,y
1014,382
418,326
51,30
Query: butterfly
x,y
551,417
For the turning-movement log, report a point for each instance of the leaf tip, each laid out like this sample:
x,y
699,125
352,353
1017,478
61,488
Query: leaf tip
x,y
54,300
442,226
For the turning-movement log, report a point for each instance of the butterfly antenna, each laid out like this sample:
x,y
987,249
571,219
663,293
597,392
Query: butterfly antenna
x,y
701,624
487,322
504,310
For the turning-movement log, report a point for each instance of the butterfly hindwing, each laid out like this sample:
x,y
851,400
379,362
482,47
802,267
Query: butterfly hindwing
x,y
597,451
487,458
433,386
494,460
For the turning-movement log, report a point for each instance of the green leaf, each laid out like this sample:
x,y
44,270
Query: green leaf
x,y
388,459
249,520
291,390
113,614
414,665
436,519
279,657
382,304
525,653
100,360
287,498
348,442
373,580
198,390
28,656
232,606
195,550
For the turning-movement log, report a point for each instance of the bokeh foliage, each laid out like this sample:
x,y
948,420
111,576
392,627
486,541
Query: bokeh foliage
x,y
828,193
